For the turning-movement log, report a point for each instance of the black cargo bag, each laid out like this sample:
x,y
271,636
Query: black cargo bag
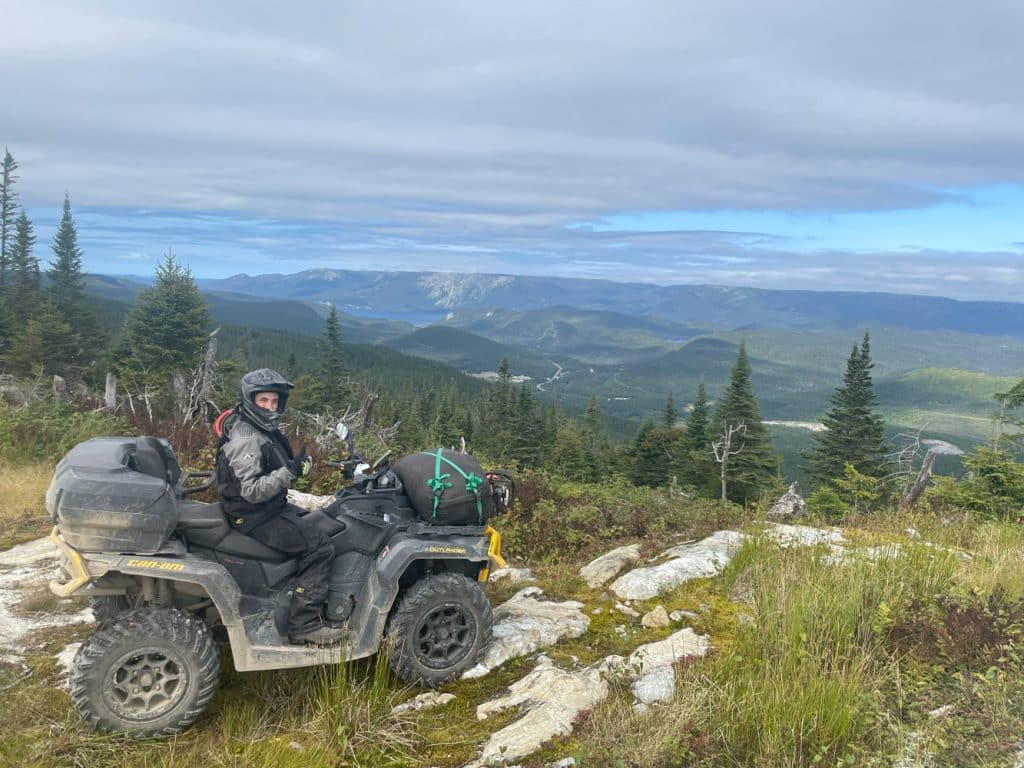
x,y
446,487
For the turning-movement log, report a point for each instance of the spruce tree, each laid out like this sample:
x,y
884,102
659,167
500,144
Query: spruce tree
x,y
23,273
167,329
854,431
8,205
67,284
697,435
669,415
650,456
755,468
47,340
331,392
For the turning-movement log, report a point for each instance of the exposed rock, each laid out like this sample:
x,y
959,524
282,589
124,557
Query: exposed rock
x,y
526,623
656,618
30,553
689,561
513,575
803,535
941,711
625,610
24,568
553,698
666,652
620,630
608,565
308,501
565,762
656,686
680,615
426,700
789,505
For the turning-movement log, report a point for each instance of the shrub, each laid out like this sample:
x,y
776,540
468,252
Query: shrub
x,y
993,487
42,431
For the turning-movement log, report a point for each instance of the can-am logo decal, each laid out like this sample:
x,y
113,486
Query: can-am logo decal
x,y
155,564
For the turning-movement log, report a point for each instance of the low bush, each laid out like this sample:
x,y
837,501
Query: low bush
x,y
42,431
555,521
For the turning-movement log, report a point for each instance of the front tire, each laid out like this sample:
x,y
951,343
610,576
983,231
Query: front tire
x,y
439,629
149,672
109,606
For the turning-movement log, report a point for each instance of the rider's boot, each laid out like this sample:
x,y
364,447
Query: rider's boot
x,y
322,634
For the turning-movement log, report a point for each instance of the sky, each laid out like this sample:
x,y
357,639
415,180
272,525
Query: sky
x,y
828,145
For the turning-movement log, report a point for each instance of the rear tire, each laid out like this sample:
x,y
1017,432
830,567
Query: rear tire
x,y
439,629
149,672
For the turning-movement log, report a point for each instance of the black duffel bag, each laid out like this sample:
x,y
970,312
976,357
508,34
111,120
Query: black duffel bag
x,y
446,487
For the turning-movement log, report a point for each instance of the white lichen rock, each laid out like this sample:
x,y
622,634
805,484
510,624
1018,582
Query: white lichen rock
x,y
526,623
699,560
803,535
553,698
608,565
789,505
308,501
667,652
656,618
512,575
427,700
656,686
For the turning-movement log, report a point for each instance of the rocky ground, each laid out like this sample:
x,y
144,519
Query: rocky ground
x,y
548,698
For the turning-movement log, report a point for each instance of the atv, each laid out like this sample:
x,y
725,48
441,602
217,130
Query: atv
x,y
169,579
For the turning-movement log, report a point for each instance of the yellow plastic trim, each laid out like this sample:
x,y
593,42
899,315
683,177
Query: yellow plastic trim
x,y
79,574
494,549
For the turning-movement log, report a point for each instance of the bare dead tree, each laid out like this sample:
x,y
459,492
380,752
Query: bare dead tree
x,y
198,401
912,461
723,449
110,392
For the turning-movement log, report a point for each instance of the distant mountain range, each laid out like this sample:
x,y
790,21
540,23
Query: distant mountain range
x,y
937,361
423,297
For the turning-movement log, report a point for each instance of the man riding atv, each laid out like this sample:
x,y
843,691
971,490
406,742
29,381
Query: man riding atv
x,y
255,466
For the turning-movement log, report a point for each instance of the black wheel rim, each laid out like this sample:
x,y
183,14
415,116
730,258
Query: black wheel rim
x,y
444,635
145,683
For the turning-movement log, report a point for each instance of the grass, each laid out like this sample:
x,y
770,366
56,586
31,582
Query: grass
x,y
812,663
22,511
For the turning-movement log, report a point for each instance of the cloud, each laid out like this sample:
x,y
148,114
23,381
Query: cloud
x,y
485,132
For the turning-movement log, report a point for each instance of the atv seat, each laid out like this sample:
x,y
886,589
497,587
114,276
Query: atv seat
x,y
204,525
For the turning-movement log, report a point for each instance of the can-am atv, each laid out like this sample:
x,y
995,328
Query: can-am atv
x,y
168,577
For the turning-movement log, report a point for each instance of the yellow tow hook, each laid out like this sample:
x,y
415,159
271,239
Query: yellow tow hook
x,y
494,558
79,574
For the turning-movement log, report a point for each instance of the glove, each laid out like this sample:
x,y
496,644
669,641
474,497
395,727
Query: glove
x,y
300,466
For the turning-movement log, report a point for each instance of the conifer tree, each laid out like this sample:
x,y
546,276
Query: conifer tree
x,y
46,340
669,415
697,440
331,392
67,284
8,205
650,456
167,329
854,430
755,467
23,275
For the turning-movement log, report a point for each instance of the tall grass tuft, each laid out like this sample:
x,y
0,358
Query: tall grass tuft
x,y
797,683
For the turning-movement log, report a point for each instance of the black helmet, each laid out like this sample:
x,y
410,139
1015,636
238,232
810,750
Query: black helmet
x,y
263,380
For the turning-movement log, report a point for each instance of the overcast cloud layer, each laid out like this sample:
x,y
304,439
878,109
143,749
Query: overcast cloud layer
x,y
623,141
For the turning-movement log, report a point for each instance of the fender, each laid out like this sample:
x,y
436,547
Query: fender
x,y
369,619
